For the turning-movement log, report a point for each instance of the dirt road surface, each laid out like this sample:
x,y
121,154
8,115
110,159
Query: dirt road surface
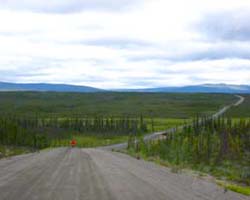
x,y
94,174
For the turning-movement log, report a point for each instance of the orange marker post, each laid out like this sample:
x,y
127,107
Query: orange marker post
x,y
73,143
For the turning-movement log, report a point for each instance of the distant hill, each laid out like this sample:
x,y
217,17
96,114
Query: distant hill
x,y
205,88
45,87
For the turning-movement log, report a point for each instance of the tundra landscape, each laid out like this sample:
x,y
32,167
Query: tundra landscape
x,y
201,133
124,100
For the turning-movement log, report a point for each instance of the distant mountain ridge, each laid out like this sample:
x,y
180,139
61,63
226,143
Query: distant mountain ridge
x,y
46,87
205,88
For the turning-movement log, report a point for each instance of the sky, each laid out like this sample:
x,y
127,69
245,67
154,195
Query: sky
x,y
114,44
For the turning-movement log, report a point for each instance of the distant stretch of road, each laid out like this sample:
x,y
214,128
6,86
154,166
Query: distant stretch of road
x,y
158,134
94,174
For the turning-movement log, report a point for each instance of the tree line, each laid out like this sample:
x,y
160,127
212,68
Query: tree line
x,y
39,132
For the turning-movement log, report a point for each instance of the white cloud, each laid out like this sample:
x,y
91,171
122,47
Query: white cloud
x,y
66,6
153,43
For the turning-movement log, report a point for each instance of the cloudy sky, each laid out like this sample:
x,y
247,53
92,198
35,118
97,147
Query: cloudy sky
x,y
125,43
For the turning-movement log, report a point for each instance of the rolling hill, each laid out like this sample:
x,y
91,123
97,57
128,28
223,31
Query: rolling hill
x,y
46,87
205,88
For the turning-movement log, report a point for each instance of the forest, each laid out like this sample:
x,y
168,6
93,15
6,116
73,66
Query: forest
x,y
116,104
44,119
41,132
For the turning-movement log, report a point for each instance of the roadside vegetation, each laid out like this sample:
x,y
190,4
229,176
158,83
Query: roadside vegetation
x,y
220,147
6,151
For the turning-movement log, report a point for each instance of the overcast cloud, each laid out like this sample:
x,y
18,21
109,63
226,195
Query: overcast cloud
x,y
67,6
230,25
125,43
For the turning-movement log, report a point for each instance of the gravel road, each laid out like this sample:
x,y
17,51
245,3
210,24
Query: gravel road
x,y
94,174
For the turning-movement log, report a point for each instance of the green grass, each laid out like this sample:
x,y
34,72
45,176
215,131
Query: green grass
x,y
165,123
241,111
157,105
7,151
90,140
236,188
